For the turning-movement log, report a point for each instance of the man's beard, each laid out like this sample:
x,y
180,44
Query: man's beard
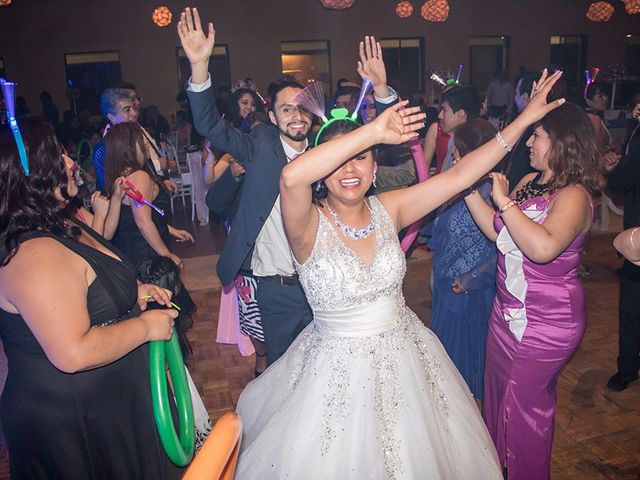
x,y
296,138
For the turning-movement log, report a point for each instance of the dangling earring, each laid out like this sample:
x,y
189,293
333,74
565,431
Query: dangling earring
x,y
374,180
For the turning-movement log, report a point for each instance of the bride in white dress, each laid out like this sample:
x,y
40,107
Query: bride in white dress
x,y
366,391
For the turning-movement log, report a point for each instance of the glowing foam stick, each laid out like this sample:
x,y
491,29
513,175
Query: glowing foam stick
x,y
9,91
438,79
459,72
150,297
590,77
366,84
132,192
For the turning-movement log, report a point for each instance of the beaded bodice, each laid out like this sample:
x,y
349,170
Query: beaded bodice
x,y
360,318
335,277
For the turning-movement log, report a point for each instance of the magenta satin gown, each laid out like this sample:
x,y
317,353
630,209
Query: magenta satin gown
x,y
537,321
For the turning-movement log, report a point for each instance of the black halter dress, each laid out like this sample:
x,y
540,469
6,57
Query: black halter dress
x,y
96,424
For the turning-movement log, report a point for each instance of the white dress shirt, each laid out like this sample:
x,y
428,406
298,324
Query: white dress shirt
x,y
272,254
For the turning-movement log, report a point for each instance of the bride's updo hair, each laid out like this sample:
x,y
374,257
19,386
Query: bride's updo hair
x,y
335,129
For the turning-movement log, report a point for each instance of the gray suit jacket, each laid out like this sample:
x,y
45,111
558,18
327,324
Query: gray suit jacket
x,y
263,157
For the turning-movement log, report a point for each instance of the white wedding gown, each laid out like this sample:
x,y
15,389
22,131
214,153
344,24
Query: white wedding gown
x,y
366,391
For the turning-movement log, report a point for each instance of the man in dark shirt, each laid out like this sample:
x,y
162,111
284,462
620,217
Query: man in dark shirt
x,y
626,178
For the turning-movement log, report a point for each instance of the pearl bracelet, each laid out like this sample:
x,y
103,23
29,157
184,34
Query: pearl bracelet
x,y
502,142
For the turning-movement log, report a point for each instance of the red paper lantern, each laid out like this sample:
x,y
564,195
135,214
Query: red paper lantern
x,y
4,3
435,10
600,11
632,7
404,9
337,4
161,16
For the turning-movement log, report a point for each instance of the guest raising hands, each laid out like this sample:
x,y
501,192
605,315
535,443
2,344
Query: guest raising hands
x,y
539,312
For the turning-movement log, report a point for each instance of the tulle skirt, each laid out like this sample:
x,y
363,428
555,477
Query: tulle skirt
x,y
389,405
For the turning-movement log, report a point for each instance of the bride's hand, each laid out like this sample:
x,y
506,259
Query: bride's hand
x,y
398,124
538,107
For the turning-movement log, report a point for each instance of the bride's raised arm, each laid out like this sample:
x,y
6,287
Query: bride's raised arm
x,y
396,125
410,204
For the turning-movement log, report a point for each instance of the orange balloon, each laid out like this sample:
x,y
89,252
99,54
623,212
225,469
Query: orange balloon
x,y
219,454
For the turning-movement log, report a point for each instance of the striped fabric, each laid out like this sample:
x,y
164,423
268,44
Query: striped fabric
x,y
248,312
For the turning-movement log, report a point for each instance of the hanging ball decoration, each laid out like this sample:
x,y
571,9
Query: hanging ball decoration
x,y
337,4
4,3
632,7
600,11
435,10
404,9
161,16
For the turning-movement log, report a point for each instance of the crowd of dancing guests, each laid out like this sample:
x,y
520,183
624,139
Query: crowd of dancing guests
x,y
349,383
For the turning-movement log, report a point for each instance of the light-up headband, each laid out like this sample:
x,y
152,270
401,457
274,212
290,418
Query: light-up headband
x,y
311,98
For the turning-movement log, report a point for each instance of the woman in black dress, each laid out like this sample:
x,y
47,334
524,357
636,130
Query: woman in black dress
x,y
142,232
77,402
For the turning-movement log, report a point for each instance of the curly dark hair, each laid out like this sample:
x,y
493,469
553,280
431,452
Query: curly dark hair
x,y
124,143
29,203
573,155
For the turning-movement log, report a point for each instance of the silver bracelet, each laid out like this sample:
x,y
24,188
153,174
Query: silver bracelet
x,y
501,141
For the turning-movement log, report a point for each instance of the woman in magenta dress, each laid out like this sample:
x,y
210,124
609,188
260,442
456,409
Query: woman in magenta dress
x,y
539,312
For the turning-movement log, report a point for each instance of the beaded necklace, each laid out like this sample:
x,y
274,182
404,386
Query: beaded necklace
x,y
347,231
532,189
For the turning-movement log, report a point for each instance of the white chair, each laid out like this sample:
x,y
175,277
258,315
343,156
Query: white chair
x,y
185,189
172,138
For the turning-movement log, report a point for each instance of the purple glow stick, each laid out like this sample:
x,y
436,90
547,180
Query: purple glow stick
x,y
366,84
149,204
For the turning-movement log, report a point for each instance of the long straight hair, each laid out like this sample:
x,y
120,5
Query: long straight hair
x,y
124,145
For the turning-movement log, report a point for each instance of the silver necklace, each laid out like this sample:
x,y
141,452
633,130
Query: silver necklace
x,y
347,231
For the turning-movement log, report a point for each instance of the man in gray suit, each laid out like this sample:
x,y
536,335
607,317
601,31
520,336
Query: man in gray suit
x,y
257,241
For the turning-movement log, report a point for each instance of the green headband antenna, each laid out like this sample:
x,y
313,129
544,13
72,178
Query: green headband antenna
x,y
311,98
336,114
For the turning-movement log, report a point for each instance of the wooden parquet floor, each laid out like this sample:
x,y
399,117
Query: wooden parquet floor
x,y
597,431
